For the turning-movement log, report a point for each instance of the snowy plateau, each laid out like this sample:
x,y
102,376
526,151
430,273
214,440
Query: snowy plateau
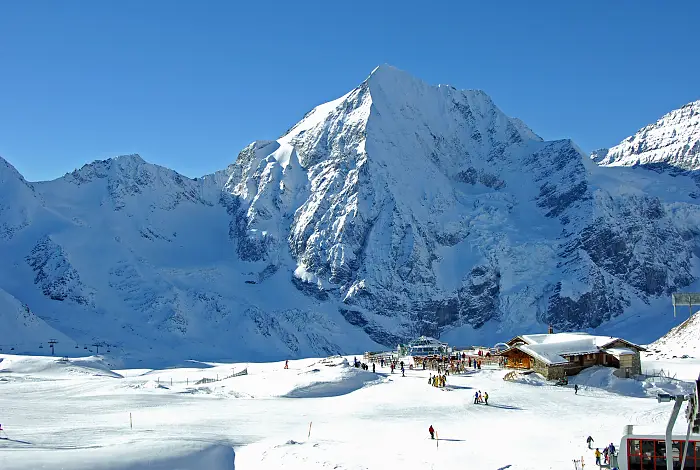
x,y
81,414
397,210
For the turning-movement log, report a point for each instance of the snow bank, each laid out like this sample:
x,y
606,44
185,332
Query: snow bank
x,y
603,378
329,377
41,366
531,378
215,457
176,456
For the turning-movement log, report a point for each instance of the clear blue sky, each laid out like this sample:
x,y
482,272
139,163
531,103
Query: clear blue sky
x,y
188,84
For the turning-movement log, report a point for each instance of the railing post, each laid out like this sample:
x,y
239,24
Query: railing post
x,y
669,431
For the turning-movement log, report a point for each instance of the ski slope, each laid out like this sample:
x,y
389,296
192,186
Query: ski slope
x,y
317,414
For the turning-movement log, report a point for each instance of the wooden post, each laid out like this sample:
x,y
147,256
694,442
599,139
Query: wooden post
x,y
309,436
131,422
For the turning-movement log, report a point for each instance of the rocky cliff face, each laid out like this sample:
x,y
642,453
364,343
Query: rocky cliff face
x,y
396,210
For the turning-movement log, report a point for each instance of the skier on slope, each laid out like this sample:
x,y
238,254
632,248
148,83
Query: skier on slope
x,y
431,431
576,389
373,368
286,364
597,457
486,398
588,441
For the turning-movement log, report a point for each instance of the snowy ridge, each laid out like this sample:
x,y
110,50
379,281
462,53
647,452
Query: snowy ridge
x,y
682,340
674,140
400,209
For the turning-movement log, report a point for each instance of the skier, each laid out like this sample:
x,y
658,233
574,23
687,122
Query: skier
x,y
486,398
431,431
476,397
392,367
576,389
373,367
403,370
286,364
588,441
597,457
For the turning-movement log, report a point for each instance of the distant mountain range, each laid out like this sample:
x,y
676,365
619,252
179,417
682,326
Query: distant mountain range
x,y
397,210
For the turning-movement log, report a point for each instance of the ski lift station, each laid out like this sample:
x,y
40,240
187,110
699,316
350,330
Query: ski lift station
x,y
426,346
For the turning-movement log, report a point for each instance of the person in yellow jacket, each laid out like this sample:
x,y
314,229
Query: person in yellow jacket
x,y
597,457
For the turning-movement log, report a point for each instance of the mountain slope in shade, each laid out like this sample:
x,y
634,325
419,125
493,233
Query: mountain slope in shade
x,y
397,210
22,330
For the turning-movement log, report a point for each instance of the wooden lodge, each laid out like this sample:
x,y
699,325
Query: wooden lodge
x,y
557,355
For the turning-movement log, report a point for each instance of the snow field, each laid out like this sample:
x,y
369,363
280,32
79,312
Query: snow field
x,y
62,416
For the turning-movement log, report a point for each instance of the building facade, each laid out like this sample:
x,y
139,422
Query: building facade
x,y
557,355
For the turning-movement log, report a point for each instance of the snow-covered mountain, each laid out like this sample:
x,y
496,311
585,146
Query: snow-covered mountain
x,y
674,141
396,210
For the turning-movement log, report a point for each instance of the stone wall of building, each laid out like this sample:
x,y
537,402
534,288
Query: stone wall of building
x,y
631,363
549,372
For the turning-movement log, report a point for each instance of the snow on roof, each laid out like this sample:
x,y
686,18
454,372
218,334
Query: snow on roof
x,y
554,352
553,348
617,352
599,341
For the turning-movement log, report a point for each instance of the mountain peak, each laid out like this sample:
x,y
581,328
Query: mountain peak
x,y
673,140
7,170
386,71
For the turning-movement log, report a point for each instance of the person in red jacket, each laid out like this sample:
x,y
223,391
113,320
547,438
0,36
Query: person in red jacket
x,y
431,431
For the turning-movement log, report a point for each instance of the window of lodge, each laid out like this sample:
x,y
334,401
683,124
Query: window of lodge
x,y
647,454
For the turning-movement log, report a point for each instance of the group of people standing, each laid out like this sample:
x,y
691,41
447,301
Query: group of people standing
x,y
438,380
608,452
479,398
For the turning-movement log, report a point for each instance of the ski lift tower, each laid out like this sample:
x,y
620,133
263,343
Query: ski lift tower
x,y
52,342
685,298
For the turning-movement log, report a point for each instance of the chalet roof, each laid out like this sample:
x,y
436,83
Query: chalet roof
x,y
617,352
426,341
556,347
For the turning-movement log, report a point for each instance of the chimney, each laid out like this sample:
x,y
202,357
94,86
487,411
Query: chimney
x,y
551,330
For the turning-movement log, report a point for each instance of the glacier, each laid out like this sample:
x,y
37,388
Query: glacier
x,y
397,210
